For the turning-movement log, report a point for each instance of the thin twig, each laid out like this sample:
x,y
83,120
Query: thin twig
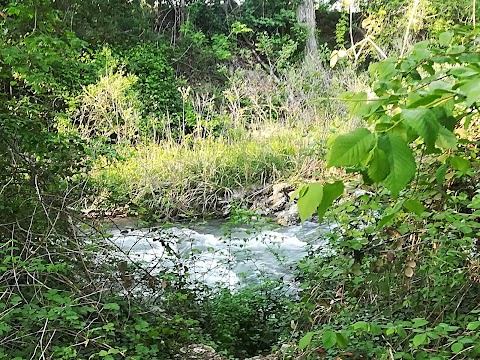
x,y
407,31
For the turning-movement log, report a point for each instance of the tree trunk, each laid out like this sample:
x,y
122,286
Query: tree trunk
x,y
182,12
306,17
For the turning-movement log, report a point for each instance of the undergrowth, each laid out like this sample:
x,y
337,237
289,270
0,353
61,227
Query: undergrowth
x,y
403,280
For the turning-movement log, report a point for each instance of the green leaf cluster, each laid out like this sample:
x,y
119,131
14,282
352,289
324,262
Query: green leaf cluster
x,y
416,104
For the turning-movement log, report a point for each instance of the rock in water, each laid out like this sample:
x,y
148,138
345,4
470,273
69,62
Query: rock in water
x,y
289,216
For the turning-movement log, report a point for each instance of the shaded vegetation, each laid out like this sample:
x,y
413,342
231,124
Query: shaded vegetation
x,y
166,109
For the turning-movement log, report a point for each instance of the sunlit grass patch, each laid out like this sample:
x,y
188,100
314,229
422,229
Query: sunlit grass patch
x,y
193,176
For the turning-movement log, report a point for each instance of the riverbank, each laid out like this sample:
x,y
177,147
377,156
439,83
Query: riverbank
x,y
238,147
206,175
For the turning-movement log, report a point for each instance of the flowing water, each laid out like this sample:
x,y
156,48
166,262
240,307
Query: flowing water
x,y
215,253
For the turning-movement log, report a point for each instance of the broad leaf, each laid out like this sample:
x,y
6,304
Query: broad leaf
x,y
389,215
424,100
471,89
473,325
460,164
441,173
385,220
401,160
444,115
375,329
419,322
384,69
414,206
472,57
464,71
419,339
363,325
390,331
424,122
476,350
350,149
440,85
401,332
305,340
420,51
446,139
329,339
457,347
342,340
330,193
445,38
310,200
379,167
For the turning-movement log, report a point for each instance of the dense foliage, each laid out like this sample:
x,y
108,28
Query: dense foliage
x,y
167,109
409,287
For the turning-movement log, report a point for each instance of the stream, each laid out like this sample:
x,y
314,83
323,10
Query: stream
x,y
217,255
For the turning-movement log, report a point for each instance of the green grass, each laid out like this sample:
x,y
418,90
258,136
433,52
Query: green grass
x,y
189,178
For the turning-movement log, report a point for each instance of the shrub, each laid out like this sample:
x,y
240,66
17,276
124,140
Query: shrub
x,y
157,86
110,108
248,321
402,282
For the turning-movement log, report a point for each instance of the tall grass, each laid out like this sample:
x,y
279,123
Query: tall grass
x,y
180,179
306,96
266,130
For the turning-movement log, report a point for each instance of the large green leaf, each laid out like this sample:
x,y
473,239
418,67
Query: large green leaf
x,y
471,89
424,122
420,51
378,168
305,340
444,115
329,339
457,347
464,72
330,193
445,38
416,100
384,69
473,325
419,339
446,139
460,164
441,172
342,340
401,160
414,206
350,149
310,200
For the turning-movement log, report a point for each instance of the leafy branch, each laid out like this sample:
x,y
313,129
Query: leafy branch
x,y
415,106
